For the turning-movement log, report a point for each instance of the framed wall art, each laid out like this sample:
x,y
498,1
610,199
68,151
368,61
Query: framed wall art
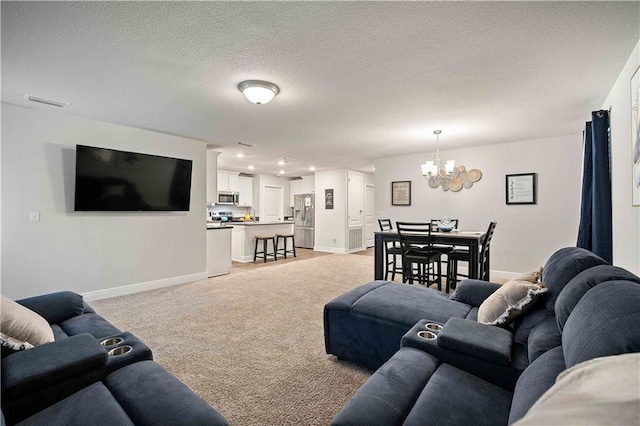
x,y
401,193
328,199
521,188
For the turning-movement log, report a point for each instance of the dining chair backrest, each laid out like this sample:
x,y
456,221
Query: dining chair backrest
x,y
436,222
385,224
414,235
484,248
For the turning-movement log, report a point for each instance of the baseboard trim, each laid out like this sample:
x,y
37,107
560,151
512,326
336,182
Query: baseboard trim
x,y
493,273
504,274
336,250
136,288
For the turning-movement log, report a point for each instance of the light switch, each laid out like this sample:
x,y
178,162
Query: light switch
x,y
34,216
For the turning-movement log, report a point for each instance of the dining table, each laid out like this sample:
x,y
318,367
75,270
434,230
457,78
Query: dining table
x,y
458,238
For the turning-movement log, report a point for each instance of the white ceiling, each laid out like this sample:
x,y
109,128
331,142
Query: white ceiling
x,y
358,80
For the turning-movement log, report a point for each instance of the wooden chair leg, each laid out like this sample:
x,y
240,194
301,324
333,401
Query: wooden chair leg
x,y
255,251
393,273
293,244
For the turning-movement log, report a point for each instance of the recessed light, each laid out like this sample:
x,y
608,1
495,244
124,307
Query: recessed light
x,y
240,155
281,162
281,172
251,167
312,169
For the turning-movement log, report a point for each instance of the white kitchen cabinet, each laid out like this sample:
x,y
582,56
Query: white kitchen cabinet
x,y
227,181
245,190
218,250
212,176
295,187
308,184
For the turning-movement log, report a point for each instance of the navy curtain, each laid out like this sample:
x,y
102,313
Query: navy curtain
x,y
595,233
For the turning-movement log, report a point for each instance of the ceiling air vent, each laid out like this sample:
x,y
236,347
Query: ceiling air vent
x,y
250,145
46,101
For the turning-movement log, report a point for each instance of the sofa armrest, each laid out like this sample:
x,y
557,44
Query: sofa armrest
x,y
473,292
37,368
55,307
481,341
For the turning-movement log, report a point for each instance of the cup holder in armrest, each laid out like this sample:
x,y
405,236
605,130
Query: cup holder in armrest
x,y
112,341
427,335
120,350
433,327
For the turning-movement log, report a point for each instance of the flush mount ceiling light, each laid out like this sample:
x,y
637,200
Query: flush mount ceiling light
x,y
257,91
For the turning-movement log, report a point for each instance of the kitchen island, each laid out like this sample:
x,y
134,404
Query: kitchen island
x,y
218,249
243,235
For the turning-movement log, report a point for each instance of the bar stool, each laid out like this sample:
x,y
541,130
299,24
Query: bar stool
x,y
284,249
264,254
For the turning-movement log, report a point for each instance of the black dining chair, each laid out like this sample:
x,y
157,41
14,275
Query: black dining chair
x,y
417,250
391,252
435,227
463,255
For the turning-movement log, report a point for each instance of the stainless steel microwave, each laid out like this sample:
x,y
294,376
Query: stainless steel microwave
x,y
228,197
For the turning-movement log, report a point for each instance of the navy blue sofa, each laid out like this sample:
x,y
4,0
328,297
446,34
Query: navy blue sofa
x,y
595,318
92,373
366,324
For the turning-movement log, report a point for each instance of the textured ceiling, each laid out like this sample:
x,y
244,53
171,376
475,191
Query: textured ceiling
x,y
358,80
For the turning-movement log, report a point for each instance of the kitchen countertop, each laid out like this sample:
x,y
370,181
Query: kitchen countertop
x,y
217,226
251,223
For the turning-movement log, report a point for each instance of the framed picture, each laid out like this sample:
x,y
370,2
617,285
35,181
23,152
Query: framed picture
x,y
328,199
521,188
635,138
401,193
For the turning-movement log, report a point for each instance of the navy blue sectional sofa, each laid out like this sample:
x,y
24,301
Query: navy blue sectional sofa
x,y
471,373
366,324
92,374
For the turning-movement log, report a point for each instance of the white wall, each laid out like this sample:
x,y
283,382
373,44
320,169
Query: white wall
x,y
626,218
331,225
526,234
89,252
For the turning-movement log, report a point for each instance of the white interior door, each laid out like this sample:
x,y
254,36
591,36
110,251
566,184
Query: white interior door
x,y
356,201
369,214
273,202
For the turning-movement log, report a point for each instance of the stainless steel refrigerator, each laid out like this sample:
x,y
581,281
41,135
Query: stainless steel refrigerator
x,y
304,219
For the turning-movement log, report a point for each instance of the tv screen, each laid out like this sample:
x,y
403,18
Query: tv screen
x,y
111,180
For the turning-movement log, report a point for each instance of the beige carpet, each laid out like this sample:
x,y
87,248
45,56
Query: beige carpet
x,y
251,343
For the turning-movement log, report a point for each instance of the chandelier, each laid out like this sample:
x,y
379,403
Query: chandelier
x,y
431,169
451,177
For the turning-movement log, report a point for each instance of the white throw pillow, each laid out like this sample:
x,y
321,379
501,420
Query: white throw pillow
x,y
23,324
602,391
509,301
9,344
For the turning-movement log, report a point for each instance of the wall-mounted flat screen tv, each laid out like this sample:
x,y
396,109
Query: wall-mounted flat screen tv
x,y
111,180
